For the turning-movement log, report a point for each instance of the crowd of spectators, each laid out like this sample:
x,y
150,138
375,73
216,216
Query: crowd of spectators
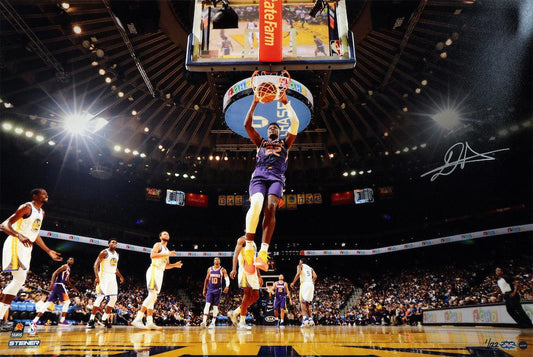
x,y
398,297
393,297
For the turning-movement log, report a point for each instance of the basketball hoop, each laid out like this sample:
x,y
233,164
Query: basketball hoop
x,y
282,80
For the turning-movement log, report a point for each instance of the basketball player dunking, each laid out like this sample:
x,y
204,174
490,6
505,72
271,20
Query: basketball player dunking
x,y
106,271
250,283
154,280
211,292
268,179
23,229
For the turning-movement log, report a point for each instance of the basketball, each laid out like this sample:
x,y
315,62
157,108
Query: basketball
x,y
266,92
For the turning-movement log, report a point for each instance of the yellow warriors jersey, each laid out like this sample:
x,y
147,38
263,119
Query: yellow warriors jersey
x,y
31,225
306,276
109,263
161,263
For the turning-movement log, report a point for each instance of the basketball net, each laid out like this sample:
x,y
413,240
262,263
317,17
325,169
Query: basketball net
x,y
282,80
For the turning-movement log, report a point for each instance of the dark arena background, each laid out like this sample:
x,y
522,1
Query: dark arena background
x,y
410,185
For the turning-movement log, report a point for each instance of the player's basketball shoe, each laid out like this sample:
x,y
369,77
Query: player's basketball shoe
x,y
234,317
262,260
153,326
249,257
137,323
243,326
90,324
107,324
311,322
212,324
203,324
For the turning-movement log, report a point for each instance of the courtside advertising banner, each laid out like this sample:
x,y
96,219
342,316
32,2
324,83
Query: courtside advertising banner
x,y
270,31
477,315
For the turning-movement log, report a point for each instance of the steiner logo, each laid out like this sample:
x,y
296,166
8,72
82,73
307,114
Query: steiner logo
x,y
24,343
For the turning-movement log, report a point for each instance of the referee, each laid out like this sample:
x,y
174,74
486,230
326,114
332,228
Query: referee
x,y
509,287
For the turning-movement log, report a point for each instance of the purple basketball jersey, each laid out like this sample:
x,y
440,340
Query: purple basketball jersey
x,y
280,296
63,276
215,279
280,290
271,161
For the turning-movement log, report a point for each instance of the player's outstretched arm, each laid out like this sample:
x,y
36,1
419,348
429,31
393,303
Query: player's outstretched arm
x,y
252,133
293,118
52,253
174,265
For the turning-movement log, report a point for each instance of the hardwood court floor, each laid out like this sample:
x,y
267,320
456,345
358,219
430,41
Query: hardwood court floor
x,y
270,341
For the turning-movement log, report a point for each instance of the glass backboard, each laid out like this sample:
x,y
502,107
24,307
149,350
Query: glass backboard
x,y
319,42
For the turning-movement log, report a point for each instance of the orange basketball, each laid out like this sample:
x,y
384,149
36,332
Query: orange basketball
x,y
266,92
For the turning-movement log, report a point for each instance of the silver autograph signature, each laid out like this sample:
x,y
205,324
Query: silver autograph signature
x,y
466,154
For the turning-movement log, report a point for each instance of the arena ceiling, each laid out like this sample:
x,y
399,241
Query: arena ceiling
x,y
362,117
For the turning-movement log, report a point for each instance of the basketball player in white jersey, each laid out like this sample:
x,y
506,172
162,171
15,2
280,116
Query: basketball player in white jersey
x,y
106,271
250,283
23,229
154,280
307,277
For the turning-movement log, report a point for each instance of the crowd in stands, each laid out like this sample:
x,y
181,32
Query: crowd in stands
x,y
396,297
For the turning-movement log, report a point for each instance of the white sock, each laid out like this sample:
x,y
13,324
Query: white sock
x,y
204,319
243,319
149,319
249,244
264,247
237,311
35,319
91,318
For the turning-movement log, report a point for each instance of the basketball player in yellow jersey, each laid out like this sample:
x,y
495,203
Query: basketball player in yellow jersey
x,y
23,229
250,283
307,277
105,271
154,280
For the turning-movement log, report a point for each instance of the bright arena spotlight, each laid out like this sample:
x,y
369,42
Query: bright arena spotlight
x,y
448,119
76,124
79,124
